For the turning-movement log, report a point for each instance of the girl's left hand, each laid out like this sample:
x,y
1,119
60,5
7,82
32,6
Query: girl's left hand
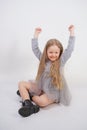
x,y
71,28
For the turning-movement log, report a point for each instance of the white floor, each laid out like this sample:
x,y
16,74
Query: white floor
x,y
54,117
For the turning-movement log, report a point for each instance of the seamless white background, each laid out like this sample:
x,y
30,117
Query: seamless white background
x,y
18,19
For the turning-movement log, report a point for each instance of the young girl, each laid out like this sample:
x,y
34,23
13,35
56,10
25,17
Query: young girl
x,y
50,85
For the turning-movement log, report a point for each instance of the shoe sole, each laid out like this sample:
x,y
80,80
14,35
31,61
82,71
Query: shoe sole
x,y
26,111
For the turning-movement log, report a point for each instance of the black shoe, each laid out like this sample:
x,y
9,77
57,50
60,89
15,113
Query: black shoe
x,y
28,109
18,93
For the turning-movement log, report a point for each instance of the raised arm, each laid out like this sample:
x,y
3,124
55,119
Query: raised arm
x,y
35,47
68,51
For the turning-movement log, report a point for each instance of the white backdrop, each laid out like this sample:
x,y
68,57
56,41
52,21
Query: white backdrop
x,y
19,18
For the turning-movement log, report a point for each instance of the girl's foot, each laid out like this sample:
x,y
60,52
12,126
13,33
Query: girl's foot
x,y
28,108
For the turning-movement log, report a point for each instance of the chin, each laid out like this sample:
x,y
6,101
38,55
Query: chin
x,y
53,60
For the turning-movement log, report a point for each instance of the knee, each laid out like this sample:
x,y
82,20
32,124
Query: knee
x,y
43,103
20,85
40,102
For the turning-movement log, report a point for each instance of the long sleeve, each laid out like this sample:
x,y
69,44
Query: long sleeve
x,y
68,51
35,48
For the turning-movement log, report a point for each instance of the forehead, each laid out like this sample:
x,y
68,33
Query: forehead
x,y
53,48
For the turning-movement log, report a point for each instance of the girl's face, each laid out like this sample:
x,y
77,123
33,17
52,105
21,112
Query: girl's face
x,y
53,52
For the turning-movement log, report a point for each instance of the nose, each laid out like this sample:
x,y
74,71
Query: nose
x,y
54,54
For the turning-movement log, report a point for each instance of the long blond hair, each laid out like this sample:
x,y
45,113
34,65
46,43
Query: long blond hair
x,y
55,66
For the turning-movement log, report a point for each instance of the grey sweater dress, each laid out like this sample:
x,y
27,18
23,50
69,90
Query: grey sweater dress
x,y
44,84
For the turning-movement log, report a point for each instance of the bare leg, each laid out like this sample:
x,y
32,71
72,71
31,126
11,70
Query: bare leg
x,y
28,107
42,100
24,89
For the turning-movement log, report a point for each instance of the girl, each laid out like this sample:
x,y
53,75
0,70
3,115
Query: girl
x,y
50,85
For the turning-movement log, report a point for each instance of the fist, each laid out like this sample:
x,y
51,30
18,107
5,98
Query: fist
x,y
37,32
71,27
38,29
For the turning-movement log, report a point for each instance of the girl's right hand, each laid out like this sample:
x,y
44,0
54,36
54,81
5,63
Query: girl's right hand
x,y
37,32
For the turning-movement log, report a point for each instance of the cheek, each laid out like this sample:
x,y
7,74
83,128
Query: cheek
x,y
48,55
58,54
